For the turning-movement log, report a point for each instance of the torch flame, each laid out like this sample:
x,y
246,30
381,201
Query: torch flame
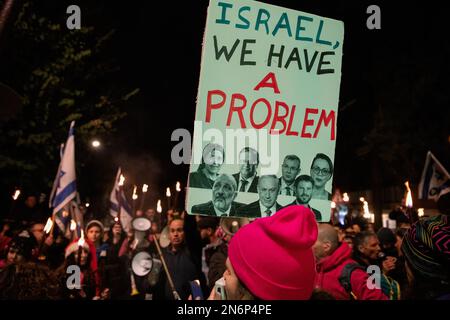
x,y
81,240
48,225
421,212
346,198
177,187
116,219
144,188
135,196
333,205
168,192
158,206
369,216
121,180
73,225
408,202
362,199
16,194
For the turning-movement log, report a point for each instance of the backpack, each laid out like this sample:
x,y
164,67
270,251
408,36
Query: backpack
x,y
345,278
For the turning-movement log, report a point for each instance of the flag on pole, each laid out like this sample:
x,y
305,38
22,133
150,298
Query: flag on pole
x,y
55,181
119,206
435,180
65,185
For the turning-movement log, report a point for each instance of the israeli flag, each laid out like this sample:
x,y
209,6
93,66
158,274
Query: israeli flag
x,y
66,182
435,179
119,206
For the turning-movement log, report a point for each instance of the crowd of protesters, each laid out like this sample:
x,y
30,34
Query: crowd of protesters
x,y
285,256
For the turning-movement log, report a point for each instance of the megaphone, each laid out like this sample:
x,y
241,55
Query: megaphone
x,y
231,225
141,226
142,263
164,240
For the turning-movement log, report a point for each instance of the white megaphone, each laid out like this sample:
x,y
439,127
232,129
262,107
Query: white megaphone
x,y
142,263
164,240
141,226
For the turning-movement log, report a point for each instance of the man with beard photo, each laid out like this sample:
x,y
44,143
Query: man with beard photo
x,y
304,189
223,195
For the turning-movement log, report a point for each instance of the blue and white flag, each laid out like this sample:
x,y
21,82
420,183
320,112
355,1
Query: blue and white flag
x,y
435,179
119,206
65,182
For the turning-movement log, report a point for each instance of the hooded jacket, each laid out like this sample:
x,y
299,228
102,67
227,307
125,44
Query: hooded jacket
x,y
329,270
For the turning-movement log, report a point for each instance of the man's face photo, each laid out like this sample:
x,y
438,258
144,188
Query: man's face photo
x,y
304,191
268,190
290,169
248,163
224,192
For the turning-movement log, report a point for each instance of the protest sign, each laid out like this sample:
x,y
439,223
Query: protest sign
x,y
266,111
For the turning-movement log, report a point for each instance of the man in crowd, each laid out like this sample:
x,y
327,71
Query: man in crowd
x,y
334,262
180,263
215,252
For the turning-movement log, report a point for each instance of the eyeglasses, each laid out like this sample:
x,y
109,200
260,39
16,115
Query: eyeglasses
x,y
323,172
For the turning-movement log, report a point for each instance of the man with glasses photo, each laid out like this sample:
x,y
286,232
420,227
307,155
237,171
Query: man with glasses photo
x,y
321,172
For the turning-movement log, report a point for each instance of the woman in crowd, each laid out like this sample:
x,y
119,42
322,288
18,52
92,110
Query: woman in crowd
x,y
81,254
282,255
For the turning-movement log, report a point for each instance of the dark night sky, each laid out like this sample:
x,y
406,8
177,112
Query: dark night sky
x,y
158,47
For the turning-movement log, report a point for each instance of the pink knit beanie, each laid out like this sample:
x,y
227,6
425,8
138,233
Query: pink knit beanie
x,y
273,257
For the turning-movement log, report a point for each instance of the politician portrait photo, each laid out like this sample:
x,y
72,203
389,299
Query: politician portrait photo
x,y
222,203
289,171
321,173
267,204
304,189
247,178
213,157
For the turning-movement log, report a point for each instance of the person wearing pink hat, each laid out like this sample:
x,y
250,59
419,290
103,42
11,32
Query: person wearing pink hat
x,y
272,258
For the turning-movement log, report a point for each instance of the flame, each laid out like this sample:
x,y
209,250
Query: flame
x,y
158,206
333,204
408,202
116,219
87,205
367,214
421,212
48,225
362,199
73,225
144,188
81,240
16,194
135,196
168,192
121,180
177,187
346,197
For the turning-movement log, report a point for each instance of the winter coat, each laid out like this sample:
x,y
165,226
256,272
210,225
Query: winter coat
x,y
329,270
